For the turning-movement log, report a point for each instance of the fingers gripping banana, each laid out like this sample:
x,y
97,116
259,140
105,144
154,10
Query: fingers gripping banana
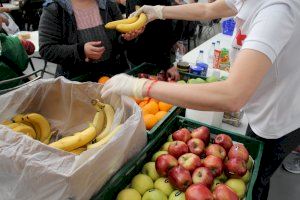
x,y
41,125
113,24
105,139
27,130
126,28
75,141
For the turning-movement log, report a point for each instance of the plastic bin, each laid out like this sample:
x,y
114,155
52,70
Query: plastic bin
x,y
228,26
124,176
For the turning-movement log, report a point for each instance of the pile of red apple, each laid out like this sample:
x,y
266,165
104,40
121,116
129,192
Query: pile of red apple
x,y
195,167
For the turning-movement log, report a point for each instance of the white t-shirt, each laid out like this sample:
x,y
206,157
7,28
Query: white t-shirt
x,y
273,28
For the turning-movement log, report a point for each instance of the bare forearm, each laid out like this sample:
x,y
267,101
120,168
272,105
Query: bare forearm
x,y
198,11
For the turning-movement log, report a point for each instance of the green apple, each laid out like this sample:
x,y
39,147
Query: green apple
x,y
222,177
129,193
238,186
246,177
155,156
165,147
154,194
142,183
212,79
215,183
250,163
170,138
181,82
149,170
177,195
163,185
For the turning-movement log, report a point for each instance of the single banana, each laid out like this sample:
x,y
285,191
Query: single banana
x,y
13,125
70,143
78,151
105,139
113,24
18,118
126,28
41,125
6,122
47,141
27,130
109,113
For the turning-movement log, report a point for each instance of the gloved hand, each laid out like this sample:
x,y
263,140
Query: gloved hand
x,y
152,12
124,84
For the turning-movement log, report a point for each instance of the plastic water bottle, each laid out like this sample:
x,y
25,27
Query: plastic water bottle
x,y
199,59
201,67
211,55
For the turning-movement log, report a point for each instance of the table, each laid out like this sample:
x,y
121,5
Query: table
x,y
191,56
11,6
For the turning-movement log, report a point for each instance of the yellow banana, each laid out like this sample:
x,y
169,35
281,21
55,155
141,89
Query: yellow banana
x,y
98,121
13,125
78,151
41,125
18,118
47,141
113,24
109,113
6,122
126,28
70,143
105,139
27,130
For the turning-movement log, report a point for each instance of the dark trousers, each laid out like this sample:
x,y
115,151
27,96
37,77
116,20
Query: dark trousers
x,y
275,150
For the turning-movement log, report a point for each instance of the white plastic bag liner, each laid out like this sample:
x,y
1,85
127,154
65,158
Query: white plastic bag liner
x,y
32,170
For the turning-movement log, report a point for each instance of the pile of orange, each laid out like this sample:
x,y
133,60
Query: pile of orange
x,y
103,79
153,110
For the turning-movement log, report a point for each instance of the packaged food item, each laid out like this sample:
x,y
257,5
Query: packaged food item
x,y
183,66
224,60
200,69
217,53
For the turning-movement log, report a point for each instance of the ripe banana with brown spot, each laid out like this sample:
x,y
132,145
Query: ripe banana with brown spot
x,y
41,125
109,113
70,143
113,24
18,118
105,139
126,28
27,130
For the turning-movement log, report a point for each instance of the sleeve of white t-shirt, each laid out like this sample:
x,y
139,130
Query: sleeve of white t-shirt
x,y
270,30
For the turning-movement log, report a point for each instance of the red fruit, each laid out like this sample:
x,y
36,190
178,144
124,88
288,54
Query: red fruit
x,y
223,192
164,163
224,140
201,133
178,148
238,151
235,167
180,178
196,146
214,164
198,192
181,135
189,161
216,150
203,175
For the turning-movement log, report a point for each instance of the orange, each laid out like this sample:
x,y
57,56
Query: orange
x,y
164,106
143,103
138,101
146,98
150,121
154,100
159,115
103,79
151,108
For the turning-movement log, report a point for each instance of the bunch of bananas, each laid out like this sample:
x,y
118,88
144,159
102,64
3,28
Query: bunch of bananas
x,y
129,24
33,125
96,135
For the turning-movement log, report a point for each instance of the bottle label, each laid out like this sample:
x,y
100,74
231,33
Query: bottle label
x,y
217,54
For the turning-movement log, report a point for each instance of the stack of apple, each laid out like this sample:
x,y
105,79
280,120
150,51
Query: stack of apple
x,y
189,167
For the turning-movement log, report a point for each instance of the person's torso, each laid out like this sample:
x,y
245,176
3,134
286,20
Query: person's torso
x,y
273,110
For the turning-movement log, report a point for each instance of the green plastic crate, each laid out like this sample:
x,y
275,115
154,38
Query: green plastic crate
x,y
124,176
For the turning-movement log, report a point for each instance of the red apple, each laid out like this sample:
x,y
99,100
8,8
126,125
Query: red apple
x,y
201,133
182,135
238,150
198,192
180,178
203,175
196,146
178,148
224,140
164,163
235,167
223,192
214,164
215,150
189,161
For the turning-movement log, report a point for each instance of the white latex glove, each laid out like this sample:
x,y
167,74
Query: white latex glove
x,y
152,12
123,84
